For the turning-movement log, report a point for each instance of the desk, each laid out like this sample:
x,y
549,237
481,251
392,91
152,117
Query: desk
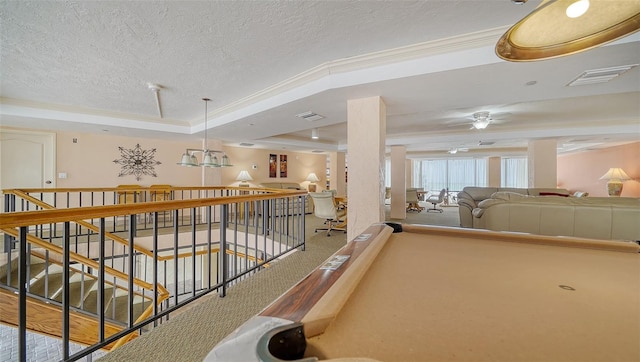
x,y
442,294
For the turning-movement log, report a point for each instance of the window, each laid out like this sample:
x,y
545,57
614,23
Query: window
x,y
451,174
514,173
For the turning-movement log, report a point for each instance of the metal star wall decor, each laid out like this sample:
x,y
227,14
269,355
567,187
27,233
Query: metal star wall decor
x,y
137,162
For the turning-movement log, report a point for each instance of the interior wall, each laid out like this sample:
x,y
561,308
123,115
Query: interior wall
x,y
87,160
299,165
581,171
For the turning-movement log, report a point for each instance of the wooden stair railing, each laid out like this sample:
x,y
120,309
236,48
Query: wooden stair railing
x,y
43,310
78,320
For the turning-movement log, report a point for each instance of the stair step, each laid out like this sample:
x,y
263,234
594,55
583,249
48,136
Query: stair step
x,y
91,301
34,270
50,282
76,295
122,307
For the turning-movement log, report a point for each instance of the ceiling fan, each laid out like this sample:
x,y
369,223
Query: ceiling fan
x,y
481,120
455,150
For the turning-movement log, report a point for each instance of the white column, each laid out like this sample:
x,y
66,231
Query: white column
x,y
366,133
408,171
398,182
494,171
212,176
337,172
542,163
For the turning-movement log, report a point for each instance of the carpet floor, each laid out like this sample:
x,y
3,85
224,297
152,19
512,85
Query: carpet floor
x,y
190,335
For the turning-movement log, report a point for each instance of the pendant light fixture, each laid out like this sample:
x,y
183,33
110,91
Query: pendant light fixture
x,y
562,27
209,158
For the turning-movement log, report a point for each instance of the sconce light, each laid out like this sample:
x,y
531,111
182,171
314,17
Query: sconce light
x,y
209,159
243,177
615,177
312,178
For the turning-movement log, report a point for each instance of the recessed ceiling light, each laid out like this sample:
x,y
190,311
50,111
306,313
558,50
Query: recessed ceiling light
x,y
532,82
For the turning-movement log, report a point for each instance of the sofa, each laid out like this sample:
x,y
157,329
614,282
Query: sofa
x,y
470,196
609,218
308,205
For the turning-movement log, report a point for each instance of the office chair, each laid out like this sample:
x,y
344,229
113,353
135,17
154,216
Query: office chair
x,y
412,201
435,200
325,208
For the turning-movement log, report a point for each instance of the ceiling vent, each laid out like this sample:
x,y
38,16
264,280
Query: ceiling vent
x,y
245,144
485,143
310,116
317,151
601,75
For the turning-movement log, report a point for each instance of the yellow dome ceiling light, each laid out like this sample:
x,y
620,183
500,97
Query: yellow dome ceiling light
x,y
561,27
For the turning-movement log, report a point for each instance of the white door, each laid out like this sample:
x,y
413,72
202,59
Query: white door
x,y
27,160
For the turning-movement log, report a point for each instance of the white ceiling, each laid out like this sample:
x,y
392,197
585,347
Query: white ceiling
x,y
87,65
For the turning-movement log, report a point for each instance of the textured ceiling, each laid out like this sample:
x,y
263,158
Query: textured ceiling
x,y
86,65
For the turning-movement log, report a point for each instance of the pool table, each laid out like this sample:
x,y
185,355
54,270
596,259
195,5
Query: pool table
x,y
444,294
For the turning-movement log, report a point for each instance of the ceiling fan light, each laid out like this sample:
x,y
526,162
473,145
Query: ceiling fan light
x,y
480,124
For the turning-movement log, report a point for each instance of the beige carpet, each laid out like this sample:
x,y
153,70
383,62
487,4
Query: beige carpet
x,y
449,217
192,334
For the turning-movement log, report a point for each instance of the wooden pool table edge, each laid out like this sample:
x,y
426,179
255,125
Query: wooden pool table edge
x,y
565,241
322,292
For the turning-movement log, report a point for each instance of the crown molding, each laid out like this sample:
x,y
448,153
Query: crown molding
x,y
390,56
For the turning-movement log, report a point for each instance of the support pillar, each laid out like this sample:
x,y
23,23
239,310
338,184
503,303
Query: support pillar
x,y
398,182
366,134
337,170
494,171
542,163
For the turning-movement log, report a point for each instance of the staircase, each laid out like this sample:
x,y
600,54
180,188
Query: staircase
x,y
44,300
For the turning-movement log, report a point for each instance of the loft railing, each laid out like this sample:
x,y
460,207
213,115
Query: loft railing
x,y
165,253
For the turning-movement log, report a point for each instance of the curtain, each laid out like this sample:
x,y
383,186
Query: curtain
x,y
514,172
452,174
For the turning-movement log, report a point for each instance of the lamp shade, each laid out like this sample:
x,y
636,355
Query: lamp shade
x,y
244,176
312,177
207,160
225,161
615,174
187,160
562,27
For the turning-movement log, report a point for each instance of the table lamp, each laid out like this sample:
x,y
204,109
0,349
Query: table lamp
x,y
616,177
243,177
312,178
